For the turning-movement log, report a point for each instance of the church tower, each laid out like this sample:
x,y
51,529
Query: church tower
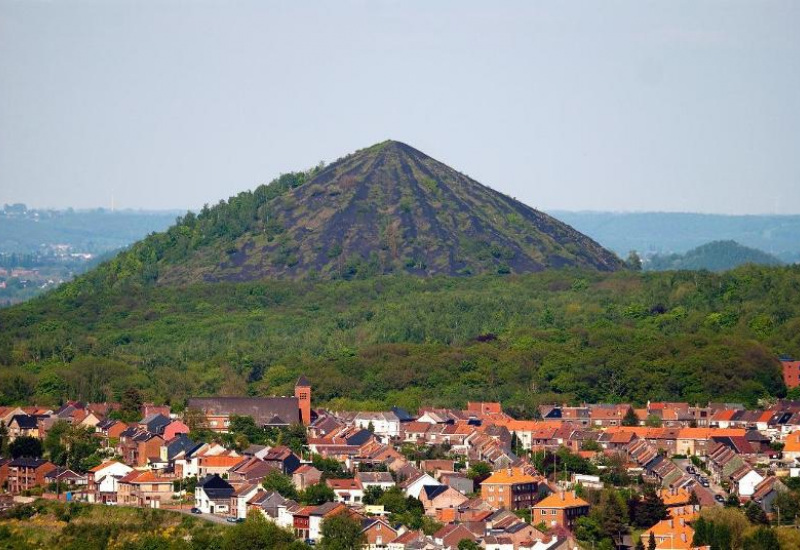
x,y
302,391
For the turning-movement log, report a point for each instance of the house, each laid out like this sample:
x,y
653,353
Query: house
x,y
240,498
305,476
27,473
144,489
110,429
457,481
173,429
766,491
282,458
307,522
102,481
348,491
64,476
136,446
378,533
156,423
217,464
213,495
745,480
216,412
249,470
791,448
383,480
436,498
23,425
385,425
674,533
560,509
451,534
791,373
510,488
4,471
268,503
412,486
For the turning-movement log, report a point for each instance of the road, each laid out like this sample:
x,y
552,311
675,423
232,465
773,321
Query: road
x,y
705,494
208,517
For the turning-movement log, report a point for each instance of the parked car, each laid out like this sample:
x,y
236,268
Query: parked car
x,y
231,519
719,498
705,483
196,511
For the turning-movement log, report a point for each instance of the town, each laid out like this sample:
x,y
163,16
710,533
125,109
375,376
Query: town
x,y
437,479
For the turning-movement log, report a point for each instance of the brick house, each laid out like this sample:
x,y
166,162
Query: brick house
x,y
378,533
436,498
27,473
560,510
510,488
144,489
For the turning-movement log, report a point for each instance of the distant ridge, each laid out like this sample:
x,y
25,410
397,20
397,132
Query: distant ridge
x,y
714,256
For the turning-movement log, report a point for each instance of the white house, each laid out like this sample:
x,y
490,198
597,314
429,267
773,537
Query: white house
x,y
102,481
347,491
240,498
213,495
383,480
413,487
384,424
747,483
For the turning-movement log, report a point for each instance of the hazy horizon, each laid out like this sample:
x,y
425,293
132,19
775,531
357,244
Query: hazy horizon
x,y
623,107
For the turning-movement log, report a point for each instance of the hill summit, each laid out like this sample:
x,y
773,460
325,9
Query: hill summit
x,y
387,208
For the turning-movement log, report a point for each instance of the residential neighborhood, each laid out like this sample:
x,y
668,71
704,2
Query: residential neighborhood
x,y
428,479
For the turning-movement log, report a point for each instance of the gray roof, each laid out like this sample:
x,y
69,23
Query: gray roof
x,y
262,409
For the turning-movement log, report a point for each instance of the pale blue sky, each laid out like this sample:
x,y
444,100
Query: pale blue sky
x,y
612,105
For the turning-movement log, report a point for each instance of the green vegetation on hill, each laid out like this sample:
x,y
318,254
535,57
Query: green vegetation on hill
x,y
714,256
554,335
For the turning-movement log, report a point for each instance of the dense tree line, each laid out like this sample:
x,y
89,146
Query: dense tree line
x,y
556,335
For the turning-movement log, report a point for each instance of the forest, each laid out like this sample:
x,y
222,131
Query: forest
x,y
559,335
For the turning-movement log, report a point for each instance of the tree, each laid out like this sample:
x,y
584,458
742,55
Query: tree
x,y
650,510
755,513
630,418
372,494
651,543
317,494
787,506
639,544
281,483
131,405
25,446
653,421
701,537
468,544
611,513
256,533
634,262
732,501
478,470
341,532
3,438
762,538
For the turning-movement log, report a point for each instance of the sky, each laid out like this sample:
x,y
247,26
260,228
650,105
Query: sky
x,y
566,105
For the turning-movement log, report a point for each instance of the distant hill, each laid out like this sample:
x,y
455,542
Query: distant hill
x,y
385,209
24,231
714,256
674,232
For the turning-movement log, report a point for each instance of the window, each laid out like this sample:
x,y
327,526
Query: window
x,y
552,512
